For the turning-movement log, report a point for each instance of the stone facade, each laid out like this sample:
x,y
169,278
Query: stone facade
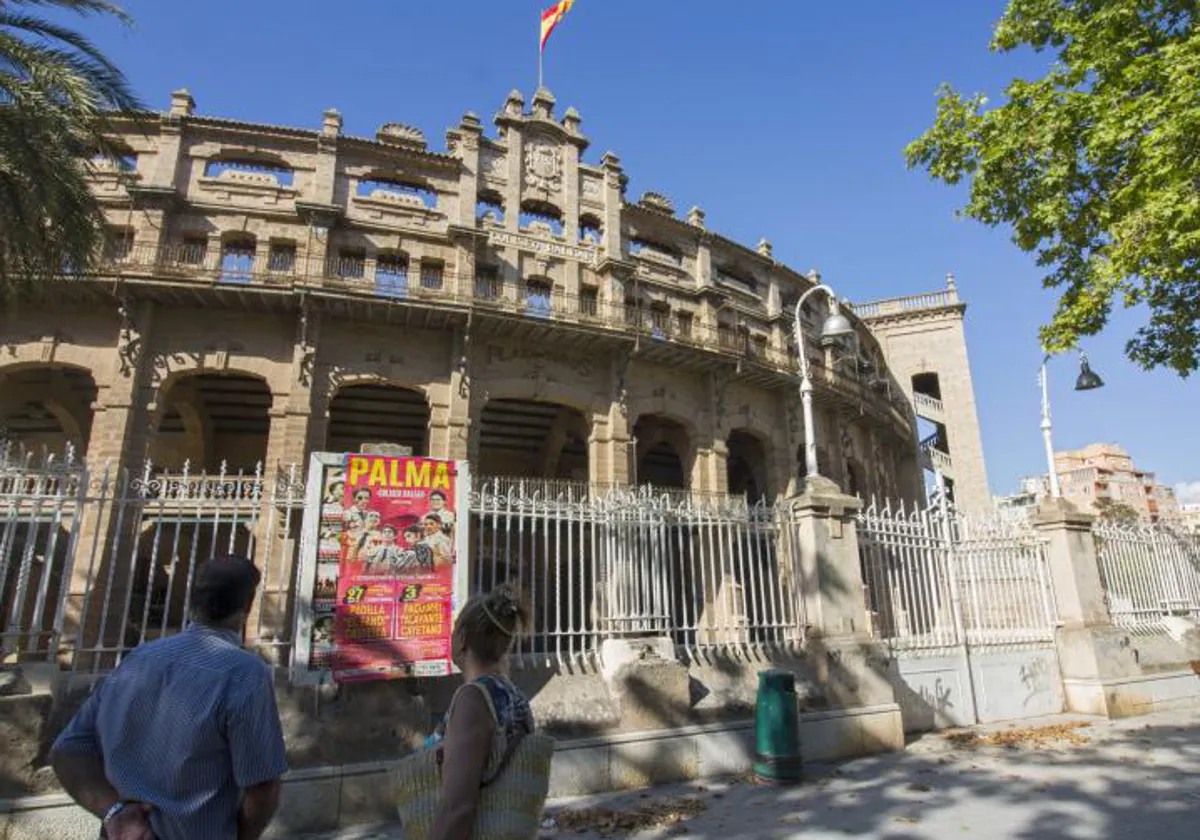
x,y
272,291
923,341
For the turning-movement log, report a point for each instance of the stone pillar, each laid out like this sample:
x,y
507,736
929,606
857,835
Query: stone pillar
x,y
823,544
465,140
1092,654
514,107
170,140
450,420
611,449
116,449
613,197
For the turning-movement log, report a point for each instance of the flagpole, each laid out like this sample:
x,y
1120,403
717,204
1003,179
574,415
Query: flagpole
x,y
541,51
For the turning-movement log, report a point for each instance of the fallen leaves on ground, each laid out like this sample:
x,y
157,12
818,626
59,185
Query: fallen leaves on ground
x,y
1034,736
653,813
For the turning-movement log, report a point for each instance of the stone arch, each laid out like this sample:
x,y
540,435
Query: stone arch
x,y
47,406
533,438
372,409
665,450
209,419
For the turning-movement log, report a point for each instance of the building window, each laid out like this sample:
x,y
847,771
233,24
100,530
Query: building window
x,y
684,319
659,316
487,283
490,207
589,301
590,229
391,275
118,244
237,261
725,337
540,215
633,314
193,250
758,346
372,187
537,298
741,283
281,174
350,264
432,275
282,258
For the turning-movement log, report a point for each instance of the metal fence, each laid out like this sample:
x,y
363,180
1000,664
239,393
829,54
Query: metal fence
x,y
705,571
96,561
1148,573
935,580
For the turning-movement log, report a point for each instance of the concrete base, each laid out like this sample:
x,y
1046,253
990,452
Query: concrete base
x,y
1129,696
327,798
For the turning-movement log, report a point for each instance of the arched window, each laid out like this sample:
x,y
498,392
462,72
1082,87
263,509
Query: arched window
x,y
282,175
384,187
541,215
391,275
490,206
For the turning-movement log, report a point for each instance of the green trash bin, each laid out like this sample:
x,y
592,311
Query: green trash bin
x,y
777,730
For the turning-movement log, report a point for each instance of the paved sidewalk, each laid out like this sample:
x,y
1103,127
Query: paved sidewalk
x,y
1136,778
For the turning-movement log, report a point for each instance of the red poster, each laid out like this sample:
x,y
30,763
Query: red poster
x,y
396,569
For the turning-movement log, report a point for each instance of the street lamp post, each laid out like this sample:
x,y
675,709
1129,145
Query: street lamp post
x,y
835,325
1087,381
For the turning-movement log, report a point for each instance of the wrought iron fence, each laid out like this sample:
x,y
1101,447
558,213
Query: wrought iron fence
x,y
936,580
1148,573
94,561
626,562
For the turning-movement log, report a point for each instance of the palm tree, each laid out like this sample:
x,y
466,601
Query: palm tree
x,y
56,88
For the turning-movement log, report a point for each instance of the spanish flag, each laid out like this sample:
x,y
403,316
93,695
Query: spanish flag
x,y
551,18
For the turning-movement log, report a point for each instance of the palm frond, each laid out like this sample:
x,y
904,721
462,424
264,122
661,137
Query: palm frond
x,y
56,90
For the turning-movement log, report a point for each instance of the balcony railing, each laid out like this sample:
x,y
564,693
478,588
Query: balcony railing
x,y
215,267
927,405
909,303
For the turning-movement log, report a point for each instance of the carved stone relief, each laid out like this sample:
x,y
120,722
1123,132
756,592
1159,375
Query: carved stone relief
x,y
543,166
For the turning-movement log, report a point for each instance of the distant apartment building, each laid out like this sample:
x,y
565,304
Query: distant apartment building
x,y
1102,471
1021,504
1189,517
1097,472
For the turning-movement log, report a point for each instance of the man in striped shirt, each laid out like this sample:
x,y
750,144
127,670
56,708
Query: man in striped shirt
x,y
183,741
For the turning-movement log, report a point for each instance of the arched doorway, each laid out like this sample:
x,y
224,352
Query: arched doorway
x,y
663,452
47,408
530,439
378,413
212,421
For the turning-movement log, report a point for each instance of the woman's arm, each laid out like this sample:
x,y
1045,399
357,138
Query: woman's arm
x,y
465,753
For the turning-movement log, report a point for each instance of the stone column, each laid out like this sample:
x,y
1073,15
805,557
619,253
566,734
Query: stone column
x,y
1092,654
825,566
451,404
116,449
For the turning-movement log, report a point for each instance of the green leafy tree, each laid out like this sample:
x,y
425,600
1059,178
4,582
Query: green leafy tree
x,y
55,89
1116,512
1095,165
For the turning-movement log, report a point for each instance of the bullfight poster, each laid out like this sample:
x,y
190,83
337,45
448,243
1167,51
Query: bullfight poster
x,y
382,552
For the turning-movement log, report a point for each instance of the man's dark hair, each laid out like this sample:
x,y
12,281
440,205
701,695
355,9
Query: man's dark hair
x,y
224,585
358,490
439,494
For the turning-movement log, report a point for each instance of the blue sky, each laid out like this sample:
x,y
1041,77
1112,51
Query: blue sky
x,y
783,120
